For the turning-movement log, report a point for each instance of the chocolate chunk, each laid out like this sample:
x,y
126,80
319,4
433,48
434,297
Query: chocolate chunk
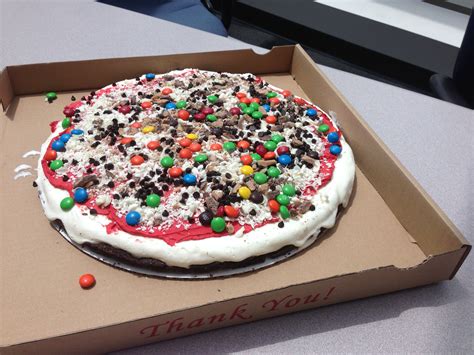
x,y
266,163
86,181
256,197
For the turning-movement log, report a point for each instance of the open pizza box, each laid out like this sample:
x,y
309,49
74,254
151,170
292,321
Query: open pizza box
x,y
391,236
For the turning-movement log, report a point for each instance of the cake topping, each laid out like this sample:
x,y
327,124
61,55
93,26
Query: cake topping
x,y
87,281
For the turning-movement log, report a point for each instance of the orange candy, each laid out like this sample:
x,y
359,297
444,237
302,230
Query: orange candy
x,y
175,172
146,104
137,160
246,159
274,100
269,155
136,124
195,147
243,144
245,100
241,95
185,142
126,140
255,99
271,119
286,93
153,145
274,206
183,114
87,281
50,155
231,212
166,91
185,153
216,146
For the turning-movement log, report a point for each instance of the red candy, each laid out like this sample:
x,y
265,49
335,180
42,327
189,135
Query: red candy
x,y
87,281
175,172
220,211
255,99
271,119
68,112
235,111
147,104
166,91
183,114
136,125
269,155
195,147
274,206
231,212
153,145
185,142
286,93
243,144
126,140
260,150
207,110
137,160
274,101
199,116
299,101
124,109
245,100
283,150
216,146
246,159
241,95
185,153
50,155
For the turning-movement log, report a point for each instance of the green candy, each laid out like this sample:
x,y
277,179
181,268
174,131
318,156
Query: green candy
x,y
289,190
254,105
277,138
67,203
51,96
167,162
181,104
323,128
218,224
270,145
260,178
212,99
66,123
257,115
256,156
56,164
153,200
229,146
211,117
284,213
283,199
271,94
273,171
200,158
243,105
248,110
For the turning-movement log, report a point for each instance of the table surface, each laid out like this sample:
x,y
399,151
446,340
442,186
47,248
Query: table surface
x,y
433,139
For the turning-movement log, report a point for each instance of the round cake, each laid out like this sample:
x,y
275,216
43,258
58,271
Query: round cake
x,y
194,168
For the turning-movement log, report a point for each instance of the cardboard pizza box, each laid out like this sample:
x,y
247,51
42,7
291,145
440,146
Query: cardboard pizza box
x,y
392,236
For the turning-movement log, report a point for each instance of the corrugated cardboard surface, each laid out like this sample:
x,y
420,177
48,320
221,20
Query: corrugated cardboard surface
x,y
40,293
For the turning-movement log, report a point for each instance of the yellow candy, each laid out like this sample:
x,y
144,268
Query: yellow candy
x,y
246,170
192,136
244,192
148,129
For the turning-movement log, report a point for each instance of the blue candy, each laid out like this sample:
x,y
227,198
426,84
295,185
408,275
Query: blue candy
x,y
57,145
133,218
266,107
170,106
77,132
150,76
333,137
80,195
189,179
311,112
335,149
285,159
65,137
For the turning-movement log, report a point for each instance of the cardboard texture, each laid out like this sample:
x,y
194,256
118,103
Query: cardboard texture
x,y
391,236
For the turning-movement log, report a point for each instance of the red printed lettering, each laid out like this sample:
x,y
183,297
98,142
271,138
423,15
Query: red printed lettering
x,y
293,302
219,317
177,324
273,304
238,313
196,323
153,329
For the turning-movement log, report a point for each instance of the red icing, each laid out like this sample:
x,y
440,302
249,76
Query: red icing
x,y
195,231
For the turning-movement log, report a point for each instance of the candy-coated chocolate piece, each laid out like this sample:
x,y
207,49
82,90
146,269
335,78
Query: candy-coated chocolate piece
x,y
261,150
216,146
323,128
57,145
80,195
231,211
199,116
133,218
185,142
166,91
183,114
211,117
286,93
241,95
150,76
285,159
271,94
289,190
335,149
195,147
254,105
274,206
274,101
244,192
68,111
266,107
257,115
229,146
146,105
256,156
175,172
245,100
126,140
248,110
283,199
235,111
260,178
186,153
152,145
273,171
66,123
206,110
246,170
283,149
277,138
206,217
51,96
269,155
218,224
220,211
311,112
243,144
333,137
200,158
189,179
56,164
246,159
153,200
256,197
284,213
148,129
167,162
170,106
271,119
270,145
77,132
67,203
65,137
192,136
212,99
181,104
50,155
137,160
136,125
124,109
87,281
242,105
